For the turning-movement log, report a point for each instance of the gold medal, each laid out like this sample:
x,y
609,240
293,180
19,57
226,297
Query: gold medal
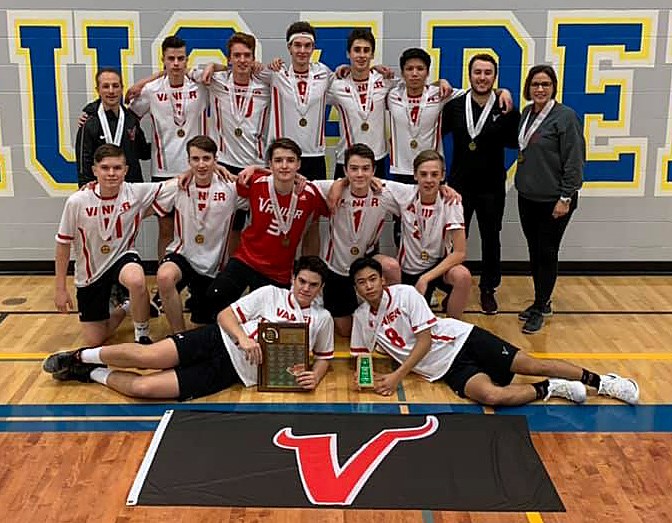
x,y
303,122
424,255
199,238
472,146
285,241
354,250
180,132
105,249
414,144
238,132
521,158
365,126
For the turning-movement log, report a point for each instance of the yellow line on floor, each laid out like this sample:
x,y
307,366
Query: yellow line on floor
x,y
644,356
534,517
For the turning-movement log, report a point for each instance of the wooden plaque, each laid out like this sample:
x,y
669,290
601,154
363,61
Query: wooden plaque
x,y
284,349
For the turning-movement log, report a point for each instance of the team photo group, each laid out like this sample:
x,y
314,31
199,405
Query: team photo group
x,y
244,202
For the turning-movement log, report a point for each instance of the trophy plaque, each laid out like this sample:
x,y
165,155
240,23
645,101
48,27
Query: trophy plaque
x,y
284,350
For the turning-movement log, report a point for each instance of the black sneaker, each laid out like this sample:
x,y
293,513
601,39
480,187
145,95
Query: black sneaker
x,y
155,305
144,340
77,372
488,302
533,323
60,361
546,311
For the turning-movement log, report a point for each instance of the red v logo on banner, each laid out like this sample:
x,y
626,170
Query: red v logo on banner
x,y
325,482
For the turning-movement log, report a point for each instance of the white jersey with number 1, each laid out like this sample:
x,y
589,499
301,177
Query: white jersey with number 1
x,y
406,314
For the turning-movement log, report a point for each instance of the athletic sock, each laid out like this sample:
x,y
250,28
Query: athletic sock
x,y
591,379
91,355
541,388
141,329
100,374
126,306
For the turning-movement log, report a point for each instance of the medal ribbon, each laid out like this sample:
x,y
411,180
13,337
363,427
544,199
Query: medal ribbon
x,y
284,226
523,136
107,133
475,130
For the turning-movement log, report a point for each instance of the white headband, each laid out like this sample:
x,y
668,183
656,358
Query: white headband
x,y
301,35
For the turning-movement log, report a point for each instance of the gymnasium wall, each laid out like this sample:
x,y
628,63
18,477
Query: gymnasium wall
x,y
614,65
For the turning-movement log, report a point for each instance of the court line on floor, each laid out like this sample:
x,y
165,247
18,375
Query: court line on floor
x,y
342,355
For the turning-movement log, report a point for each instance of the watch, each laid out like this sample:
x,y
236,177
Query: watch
x,y
566,199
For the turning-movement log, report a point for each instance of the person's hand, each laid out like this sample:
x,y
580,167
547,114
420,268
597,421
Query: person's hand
x,y
132,93
183,180
387,72
335,193
63,301
449,194
276,64
225,173
445,89
377,185
252,350
257,67
561,208
307,380
300,182
207,73
421,285
385,384
246,174
342,71
81,120
505,100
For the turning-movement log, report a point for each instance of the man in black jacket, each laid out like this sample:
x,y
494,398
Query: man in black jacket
x,y
109,122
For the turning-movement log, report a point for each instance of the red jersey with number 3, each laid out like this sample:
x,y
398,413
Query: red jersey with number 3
x,y
262,246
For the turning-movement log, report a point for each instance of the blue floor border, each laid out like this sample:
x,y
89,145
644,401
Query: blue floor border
x,y
541,418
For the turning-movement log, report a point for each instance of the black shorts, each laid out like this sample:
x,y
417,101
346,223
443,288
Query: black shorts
x,y
436,283
240,217
381,169
93,301
205,365
198,287
482,353
231,282
340,298
314,167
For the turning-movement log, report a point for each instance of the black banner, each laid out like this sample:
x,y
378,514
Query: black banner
x,y
440,462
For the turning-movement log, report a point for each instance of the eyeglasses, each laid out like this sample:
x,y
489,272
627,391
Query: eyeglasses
x,y
545,85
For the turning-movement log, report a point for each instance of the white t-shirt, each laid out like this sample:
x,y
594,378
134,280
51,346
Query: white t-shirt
x,y
274,304
360,121
355,225
103,229
416,120
240,114
174,121
299,98
406,313
202,221
431,236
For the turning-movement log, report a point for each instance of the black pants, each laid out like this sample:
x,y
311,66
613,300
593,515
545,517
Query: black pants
x,y
544,234
489,209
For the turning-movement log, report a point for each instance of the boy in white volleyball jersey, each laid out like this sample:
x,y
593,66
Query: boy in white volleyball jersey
x,y
211,358
433,242
177,108
203,216
359,99
355,226
299,98
475,363
102,221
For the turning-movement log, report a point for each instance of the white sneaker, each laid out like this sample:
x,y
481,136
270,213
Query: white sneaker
x,y
572,390
624,389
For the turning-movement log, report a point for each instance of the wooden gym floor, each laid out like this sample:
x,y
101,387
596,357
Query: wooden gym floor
x,y
69,452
